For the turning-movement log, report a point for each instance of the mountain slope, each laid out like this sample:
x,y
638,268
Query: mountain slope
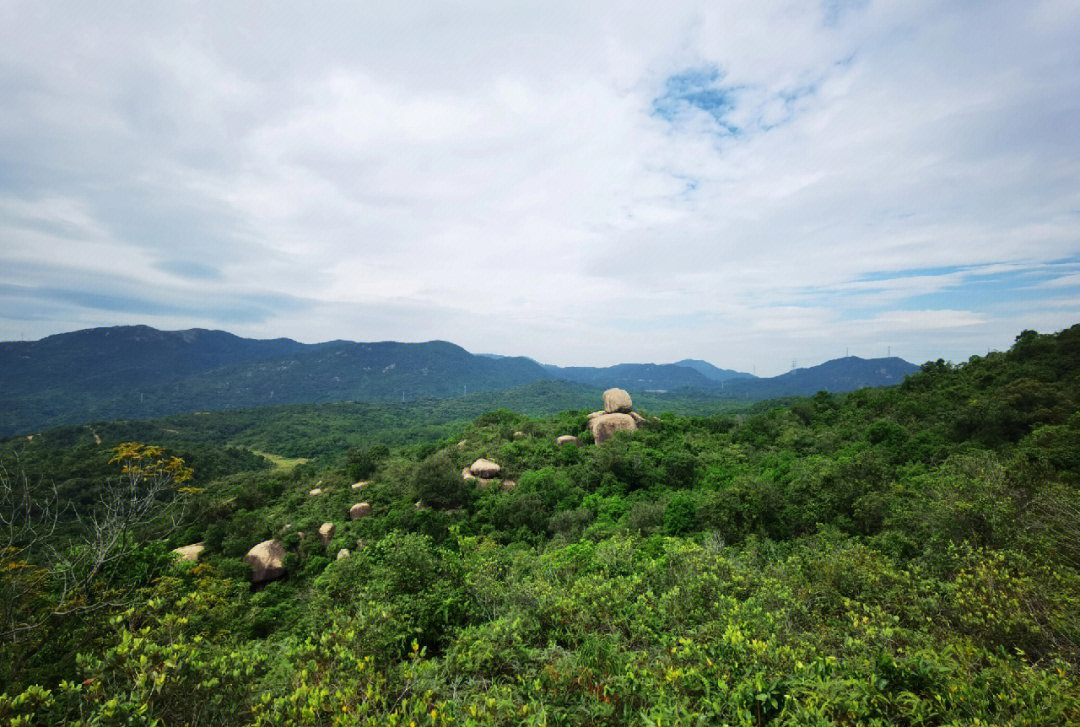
x,y
837,375
138,372
711,372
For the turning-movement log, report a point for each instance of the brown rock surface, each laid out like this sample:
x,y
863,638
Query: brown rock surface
x,y
603,428
265,560
190,552
617,401
485,468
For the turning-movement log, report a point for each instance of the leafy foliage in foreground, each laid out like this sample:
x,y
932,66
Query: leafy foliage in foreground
x,y
901,556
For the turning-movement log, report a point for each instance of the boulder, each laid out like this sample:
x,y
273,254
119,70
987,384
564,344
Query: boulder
x,y
596,414
617,401
343,554
326,532
485,468
604,427
360,485
359,510
467,475
317,491
519,435
265,560
507,485
190,552
568,439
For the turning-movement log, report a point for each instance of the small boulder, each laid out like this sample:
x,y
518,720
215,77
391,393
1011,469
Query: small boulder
x,y
603,428
343,554
467,475
485,468
507,485
519,435
360,485
359,510
265,560
190,552
316,492
326,532
421,506
568,439
617,401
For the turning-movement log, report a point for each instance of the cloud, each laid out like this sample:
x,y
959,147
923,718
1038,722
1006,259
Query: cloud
x,y
744,182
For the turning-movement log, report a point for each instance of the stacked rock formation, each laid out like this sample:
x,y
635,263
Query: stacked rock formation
x,y
618,416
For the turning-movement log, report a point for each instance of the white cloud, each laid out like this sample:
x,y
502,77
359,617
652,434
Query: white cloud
x,y
495,175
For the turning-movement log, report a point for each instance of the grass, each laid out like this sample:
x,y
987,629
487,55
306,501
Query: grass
x,y
281,463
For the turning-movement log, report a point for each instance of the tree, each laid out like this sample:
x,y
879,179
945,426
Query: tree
x,y
46,576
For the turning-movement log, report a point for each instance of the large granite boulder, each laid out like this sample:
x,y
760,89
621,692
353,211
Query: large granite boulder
x,y
359,510
266,560
485,469
604,427
617,401
190,552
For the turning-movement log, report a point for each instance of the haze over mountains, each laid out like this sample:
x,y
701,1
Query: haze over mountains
x,y
138,372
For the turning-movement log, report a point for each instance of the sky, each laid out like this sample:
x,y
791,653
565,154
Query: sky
x,y
749,183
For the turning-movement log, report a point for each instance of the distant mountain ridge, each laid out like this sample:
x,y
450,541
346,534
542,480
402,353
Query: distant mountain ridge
x,y
127,372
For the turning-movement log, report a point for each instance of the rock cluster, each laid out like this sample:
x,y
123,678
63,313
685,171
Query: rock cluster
x,y
618,416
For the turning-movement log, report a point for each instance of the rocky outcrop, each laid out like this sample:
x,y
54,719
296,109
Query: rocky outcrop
x,y
617,401
190,552
604,427
359,510
266,560
485,468
326,532
568,439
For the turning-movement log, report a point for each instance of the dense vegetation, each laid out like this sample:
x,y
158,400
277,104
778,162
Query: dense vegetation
x,y
890,556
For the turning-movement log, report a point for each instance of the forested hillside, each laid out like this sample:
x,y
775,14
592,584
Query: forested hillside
x,y
889,556
138,372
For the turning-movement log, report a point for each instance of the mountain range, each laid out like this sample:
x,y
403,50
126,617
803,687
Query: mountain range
x,y
127,372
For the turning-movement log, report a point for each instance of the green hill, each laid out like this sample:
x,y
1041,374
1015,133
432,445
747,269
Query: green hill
x,y
888,556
